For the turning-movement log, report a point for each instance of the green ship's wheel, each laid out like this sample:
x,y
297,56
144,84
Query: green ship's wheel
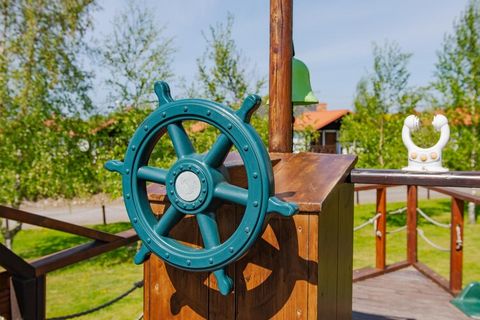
x,y
196,184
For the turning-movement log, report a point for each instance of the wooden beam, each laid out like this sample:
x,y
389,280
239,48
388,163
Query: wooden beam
x,y
432,275
456,246
41,221
280,80
457,194
31,296
399,177
14,264
82,252
367,273
381,232
412,224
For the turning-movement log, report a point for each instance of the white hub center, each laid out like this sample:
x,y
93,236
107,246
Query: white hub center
x,y
188,186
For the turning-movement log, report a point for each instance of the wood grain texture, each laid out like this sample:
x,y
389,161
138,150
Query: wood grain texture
x,y
345,251
381,236
328,258
272,278
174,293
412,203
292,272
456,248
308,178
5,295
404,294
280,76
38,220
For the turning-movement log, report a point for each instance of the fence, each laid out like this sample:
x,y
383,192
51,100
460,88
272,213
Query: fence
x,y
23,283
380,180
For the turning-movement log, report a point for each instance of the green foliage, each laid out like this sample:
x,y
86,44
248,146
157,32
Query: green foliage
x,y
136,55
458,82
373,131
41,83
222,69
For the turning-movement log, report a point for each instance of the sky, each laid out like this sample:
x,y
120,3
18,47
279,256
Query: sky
x,y
333,38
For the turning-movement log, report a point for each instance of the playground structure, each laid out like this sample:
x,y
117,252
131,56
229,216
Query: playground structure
x,y
425,159
286,267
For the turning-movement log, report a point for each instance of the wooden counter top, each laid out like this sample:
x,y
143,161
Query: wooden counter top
x,y
304,178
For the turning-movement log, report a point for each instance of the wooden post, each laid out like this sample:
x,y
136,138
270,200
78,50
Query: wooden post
x,y
412,224
456,245
381,232
30,293
280,80
104,215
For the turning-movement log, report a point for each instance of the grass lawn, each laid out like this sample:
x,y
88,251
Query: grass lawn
x,y
364,240
90,283
98,280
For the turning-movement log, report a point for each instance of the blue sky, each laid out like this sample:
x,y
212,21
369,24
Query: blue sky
x,y
334,38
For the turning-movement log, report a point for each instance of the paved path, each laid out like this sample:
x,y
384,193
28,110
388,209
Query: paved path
x,y
90,213
81,214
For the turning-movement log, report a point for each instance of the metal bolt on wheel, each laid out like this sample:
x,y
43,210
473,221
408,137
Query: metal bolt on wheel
x,y
195,184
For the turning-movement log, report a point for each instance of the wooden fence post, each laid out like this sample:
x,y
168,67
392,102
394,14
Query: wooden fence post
x,y
381,230
412,224
456,245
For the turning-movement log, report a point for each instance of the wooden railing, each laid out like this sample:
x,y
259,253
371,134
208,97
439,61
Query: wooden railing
x,y
27,280
381,180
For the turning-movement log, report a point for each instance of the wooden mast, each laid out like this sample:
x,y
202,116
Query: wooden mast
x,y
280,76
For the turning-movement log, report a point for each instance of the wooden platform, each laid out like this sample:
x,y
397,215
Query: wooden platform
x,y
403,294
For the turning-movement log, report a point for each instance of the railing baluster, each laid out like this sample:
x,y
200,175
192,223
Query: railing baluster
x,y
412,202
456,245
381,230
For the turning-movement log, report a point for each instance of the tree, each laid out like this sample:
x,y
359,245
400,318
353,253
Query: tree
x,y
136,55
41,81
373,129
458,82
222,69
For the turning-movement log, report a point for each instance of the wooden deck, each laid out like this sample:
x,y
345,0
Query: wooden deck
x,y
403,294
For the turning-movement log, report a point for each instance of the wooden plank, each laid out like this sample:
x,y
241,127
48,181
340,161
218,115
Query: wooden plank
x,y
381,232
37,220
272,279
366,187
313,265
432,275
457,194
31,296
175,293
467,179
5,311
14,264
81,252
367,273
280,76
328,258
147,287
404,294
299,178
456,245
412,224
304,180
345,251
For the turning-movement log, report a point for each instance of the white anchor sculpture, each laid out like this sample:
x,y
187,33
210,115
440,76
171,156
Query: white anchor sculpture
x,y
425,159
